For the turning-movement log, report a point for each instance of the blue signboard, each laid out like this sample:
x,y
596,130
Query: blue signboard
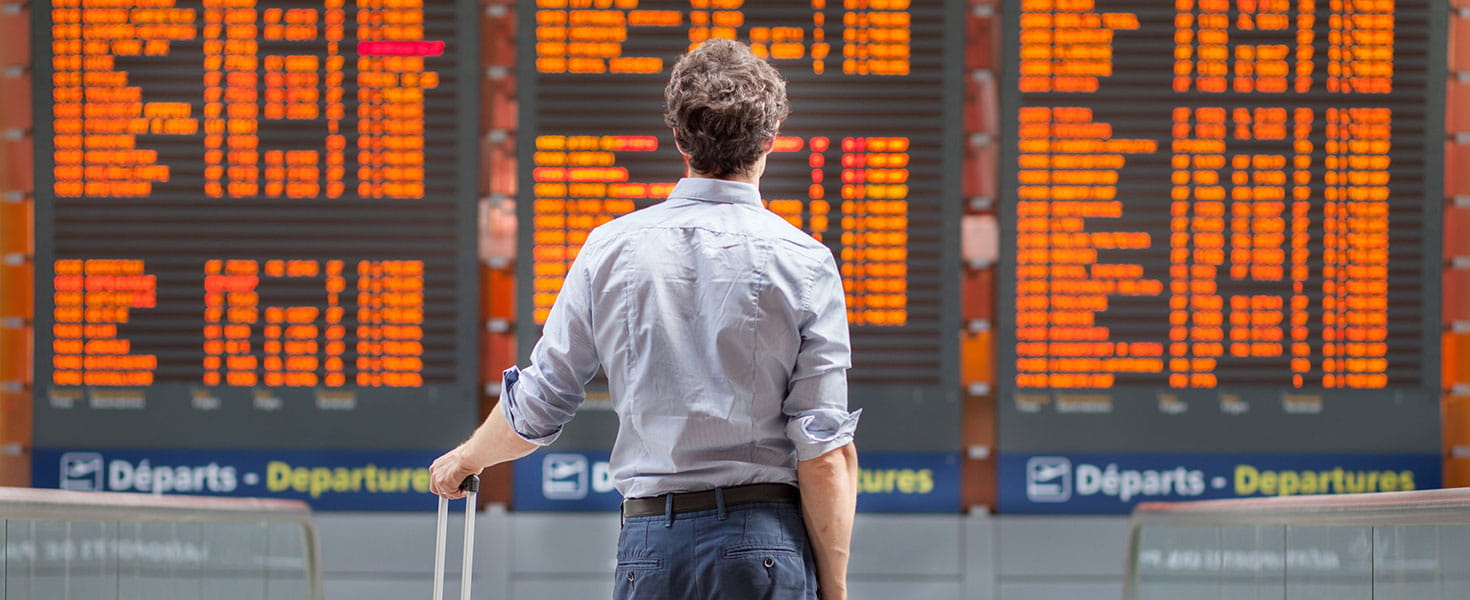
x,y
358,481
888,482
1114,483
334,480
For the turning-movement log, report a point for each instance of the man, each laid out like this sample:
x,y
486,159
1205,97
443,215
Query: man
x,y
723,333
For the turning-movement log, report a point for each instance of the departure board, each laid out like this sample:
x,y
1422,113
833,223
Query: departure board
x,y
1221,225
860,165
255,223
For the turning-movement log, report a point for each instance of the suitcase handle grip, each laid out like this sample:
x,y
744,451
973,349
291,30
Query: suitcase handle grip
x,y
471,485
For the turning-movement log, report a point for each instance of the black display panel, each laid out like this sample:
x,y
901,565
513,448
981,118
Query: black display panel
x,y
255,223
1220,226
867,163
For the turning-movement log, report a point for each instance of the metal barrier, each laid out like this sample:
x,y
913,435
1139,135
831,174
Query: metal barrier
x,y
62,545
1409,545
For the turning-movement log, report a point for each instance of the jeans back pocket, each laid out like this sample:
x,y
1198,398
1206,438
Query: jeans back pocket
x,y
761,549
640,579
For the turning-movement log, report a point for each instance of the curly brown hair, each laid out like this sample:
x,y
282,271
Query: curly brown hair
x,y
724,105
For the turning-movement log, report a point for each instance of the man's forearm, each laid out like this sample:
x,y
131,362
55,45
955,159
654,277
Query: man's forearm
x,y
494,442
828,501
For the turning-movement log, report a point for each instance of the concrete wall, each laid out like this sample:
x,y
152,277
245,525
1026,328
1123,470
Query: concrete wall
x,y
548,556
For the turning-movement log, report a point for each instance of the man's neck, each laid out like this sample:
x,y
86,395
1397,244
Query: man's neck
x,y
751,179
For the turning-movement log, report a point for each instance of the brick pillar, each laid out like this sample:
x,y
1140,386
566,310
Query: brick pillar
x,y
979,246
1456,291
17,244
497,216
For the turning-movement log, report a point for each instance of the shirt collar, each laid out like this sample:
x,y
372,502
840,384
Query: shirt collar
x,y
716,190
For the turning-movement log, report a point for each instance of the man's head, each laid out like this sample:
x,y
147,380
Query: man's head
x,y
725,106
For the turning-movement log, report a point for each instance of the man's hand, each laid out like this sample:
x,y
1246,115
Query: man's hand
x,y
450,470
493,443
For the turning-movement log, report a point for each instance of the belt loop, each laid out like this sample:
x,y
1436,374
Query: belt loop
x,y
669,510
720,503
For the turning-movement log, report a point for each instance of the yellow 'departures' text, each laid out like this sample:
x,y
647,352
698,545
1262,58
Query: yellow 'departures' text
x,y
1250,480
889,481
315,481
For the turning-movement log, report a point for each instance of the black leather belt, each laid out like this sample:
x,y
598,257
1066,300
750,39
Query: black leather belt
x,y
686,502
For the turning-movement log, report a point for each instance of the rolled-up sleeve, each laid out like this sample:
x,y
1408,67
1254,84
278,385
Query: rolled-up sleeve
x,y
539,400
816,399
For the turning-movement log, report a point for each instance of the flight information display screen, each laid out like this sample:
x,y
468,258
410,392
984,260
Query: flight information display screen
x,y
859,164
255,223
1221,225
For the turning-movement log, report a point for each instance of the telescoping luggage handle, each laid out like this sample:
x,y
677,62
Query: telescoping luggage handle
x,y
471,485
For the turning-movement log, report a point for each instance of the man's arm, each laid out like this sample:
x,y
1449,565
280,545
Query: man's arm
x,y
821,429
537,401
492,443
828,500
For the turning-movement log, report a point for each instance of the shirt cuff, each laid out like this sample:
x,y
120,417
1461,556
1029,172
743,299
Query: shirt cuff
x,y
817,432
510,407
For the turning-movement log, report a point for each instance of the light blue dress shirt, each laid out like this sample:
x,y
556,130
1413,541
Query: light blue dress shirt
x,y
723,333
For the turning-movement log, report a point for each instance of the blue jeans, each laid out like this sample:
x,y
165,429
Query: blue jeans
x,y
745,552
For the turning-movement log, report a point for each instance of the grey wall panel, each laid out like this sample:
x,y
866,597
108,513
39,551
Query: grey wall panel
x,y
554,589
1454,561
981,556
391,586
563,543
1061,546
1255,575
1176,561
398,545
235,567
914,589
1329,563
1102,589
1406,563
925,546
382,543
493,553
381,589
